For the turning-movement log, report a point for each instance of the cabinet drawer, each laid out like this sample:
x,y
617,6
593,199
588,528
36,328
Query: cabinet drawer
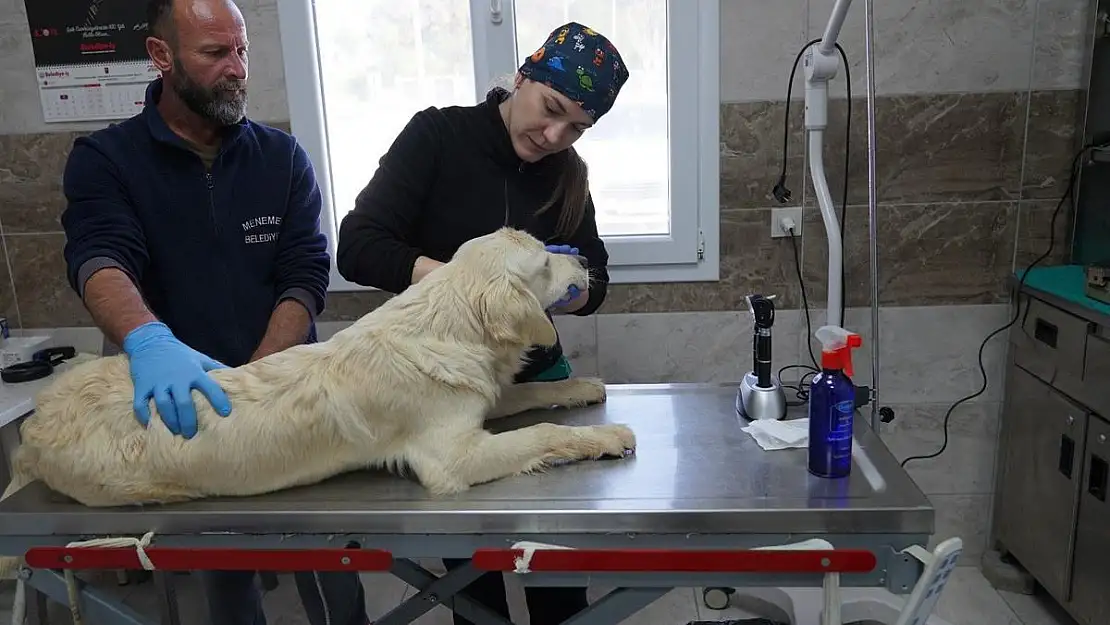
x,y
1096,371
1048,341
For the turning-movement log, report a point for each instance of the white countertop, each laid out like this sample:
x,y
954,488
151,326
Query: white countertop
x,y
17,400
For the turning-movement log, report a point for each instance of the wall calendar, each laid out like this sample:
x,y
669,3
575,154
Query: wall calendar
x,y
90,58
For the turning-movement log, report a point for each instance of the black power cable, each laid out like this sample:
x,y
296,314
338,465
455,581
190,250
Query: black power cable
x,y
782,194
1069,193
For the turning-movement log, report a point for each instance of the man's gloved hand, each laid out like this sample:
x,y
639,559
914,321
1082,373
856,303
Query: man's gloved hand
x,y
573,292
166,369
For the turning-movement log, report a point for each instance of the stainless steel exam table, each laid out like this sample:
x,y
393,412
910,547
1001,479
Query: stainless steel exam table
x,y
696,489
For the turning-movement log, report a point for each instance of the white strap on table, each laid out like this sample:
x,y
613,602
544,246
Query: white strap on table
x,y
140,545
524,561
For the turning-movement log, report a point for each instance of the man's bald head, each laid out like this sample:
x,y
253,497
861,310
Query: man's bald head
x,y
200,46
159,19
165,18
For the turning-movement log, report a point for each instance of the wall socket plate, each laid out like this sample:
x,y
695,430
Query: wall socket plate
x,y
780,214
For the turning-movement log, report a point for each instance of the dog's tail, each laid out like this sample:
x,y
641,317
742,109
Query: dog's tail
x,y
21,476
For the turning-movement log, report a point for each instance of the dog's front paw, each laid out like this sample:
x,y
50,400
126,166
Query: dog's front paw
x,y
583,392
620,440
593,442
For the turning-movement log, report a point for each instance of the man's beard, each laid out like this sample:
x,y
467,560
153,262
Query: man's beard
x,y
224,104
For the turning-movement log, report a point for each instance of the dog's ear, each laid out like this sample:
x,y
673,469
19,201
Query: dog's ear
x,y
510,313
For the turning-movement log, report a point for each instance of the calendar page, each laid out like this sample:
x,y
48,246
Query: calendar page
x,y
108,91
90,58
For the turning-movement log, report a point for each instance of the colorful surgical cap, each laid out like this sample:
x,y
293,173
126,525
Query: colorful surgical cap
x,y
581,64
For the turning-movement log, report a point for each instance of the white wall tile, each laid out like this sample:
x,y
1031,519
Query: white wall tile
x,y
84,340
965,516
759,41
13,10
266,81
966,466
936,46
686,347
327,329
1060,44
578,336
21,109
929,354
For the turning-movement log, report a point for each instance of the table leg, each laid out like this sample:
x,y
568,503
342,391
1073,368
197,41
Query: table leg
x,y
435,590
36,606
164,584
97,607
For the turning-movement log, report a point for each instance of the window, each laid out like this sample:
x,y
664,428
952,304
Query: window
x,y
357,70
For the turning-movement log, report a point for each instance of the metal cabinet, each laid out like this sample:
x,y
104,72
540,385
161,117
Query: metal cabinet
x,y
1053,470
1091,587
1042,438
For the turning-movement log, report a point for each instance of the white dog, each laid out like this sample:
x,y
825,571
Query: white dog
x,y
408,384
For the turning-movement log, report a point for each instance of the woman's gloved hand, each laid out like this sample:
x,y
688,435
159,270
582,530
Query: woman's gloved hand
x,y
572,292
166,369
561,249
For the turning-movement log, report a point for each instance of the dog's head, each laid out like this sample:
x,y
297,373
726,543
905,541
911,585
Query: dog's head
x,y
513,281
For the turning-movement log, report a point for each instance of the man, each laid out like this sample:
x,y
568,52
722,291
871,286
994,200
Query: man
x,y
193,239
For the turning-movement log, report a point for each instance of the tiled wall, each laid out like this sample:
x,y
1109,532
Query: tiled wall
x,y
977,102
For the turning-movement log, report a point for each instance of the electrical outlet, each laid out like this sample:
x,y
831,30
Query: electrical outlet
x,y
781,216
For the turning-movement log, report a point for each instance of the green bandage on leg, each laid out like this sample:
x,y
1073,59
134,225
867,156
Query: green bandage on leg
x,y
558,371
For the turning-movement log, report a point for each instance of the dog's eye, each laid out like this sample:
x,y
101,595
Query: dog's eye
x,y
547,262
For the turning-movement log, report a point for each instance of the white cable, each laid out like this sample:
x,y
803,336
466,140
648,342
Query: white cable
x,y
524,561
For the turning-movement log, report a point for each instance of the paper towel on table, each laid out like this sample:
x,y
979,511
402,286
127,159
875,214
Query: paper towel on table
x,y
773,435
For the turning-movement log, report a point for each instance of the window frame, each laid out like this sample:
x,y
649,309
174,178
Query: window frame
x,y
690,253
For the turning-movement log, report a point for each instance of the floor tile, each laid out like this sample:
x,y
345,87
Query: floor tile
x,y
1037,609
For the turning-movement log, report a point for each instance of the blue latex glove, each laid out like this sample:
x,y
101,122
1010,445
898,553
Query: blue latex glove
x,y
561,249
573,292
166,369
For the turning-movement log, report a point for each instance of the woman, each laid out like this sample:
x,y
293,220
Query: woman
x,y
460,172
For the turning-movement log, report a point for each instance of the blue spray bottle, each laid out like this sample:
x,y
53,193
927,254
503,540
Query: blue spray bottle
x,y
832,404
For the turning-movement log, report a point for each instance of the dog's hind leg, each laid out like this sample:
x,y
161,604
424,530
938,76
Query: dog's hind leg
x,y
479,456
570,393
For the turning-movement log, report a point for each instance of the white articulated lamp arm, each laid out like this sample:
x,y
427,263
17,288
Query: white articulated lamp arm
x,y
832,29
821,64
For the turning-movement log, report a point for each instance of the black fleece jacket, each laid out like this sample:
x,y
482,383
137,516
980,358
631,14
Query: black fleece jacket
x,y
450,176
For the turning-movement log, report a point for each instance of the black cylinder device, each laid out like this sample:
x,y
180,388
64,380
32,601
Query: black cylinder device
x,y
763,310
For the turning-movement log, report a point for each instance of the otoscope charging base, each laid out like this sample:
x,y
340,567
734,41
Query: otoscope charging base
x,y
756,403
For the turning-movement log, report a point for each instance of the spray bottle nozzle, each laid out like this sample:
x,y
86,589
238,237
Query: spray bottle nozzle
x,y
836,347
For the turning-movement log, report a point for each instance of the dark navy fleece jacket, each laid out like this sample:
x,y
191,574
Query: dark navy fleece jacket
x,y
212,251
